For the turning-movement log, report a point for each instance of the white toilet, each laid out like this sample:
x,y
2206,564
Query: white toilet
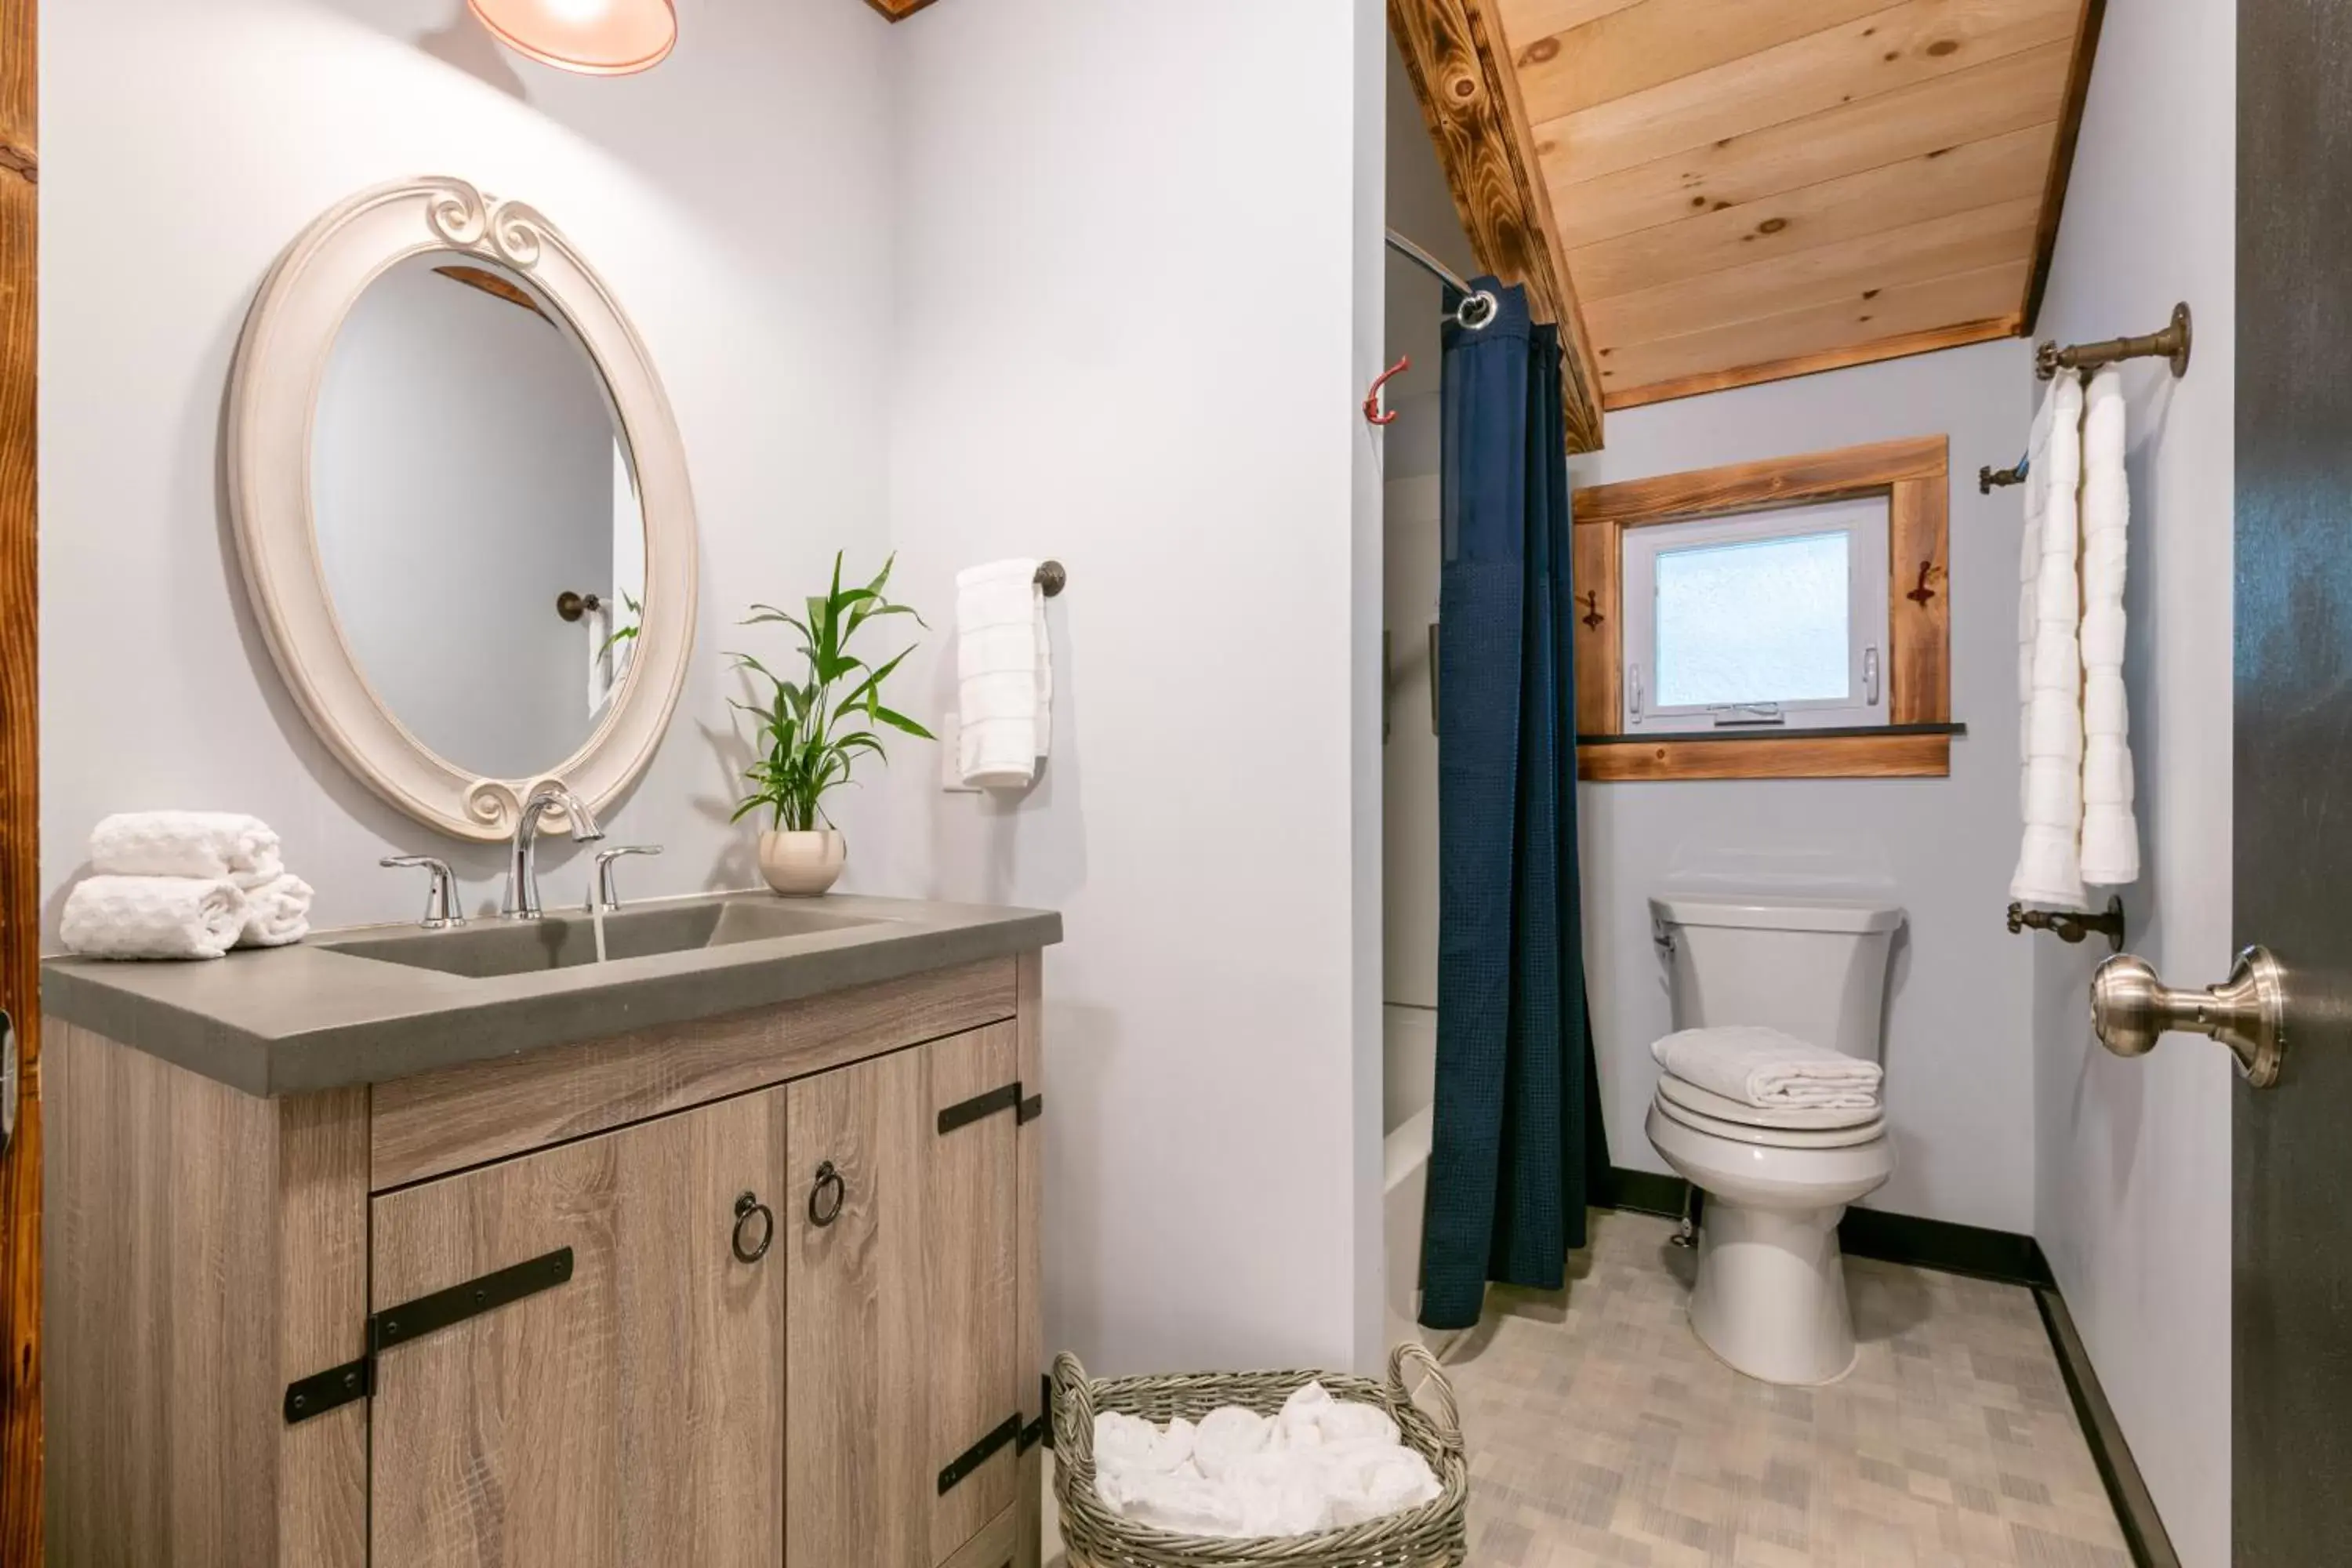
x,y
1770,1296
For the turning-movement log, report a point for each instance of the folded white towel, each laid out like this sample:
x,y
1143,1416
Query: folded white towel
x,y
153,917
1320,1464
2050,656
2110,831
1004,666
204,844
1768,1070
276,912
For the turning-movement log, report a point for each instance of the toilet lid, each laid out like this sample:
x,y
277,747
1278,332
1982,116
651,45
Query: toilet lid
x,y
1799,1118
1773,1137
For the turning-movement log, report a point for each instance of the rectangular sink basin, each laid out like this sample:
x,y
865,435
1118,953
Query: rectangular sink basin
x,y
495,948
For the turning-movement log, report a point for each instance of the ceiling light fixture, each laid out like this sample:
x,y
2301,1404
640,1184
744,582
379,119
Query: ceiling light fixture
x,y
595,37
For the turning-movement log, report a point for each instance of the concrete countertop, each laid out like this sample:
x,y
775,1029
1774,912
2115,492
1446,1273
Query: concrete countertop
x,y
292,1020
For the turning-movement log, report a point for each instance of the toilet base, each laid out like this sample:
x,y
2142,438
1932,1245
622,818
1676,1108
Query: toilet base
x,y
1770,1297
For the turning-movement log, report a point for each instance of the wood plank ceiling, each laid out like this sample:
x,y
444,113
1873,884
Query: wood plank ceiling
x,y
1743,190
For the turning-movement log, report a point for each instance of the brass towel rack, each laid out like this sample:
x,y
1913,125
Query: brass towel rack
x,y
2172,343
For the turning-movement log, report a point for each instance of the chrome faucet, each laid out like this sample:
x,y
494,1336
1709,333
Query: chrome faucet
x,y
522,901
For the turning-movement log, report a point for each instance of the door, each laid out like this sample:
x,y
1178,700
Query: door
x,y
903,1391
631,1415
2292,1296
20,902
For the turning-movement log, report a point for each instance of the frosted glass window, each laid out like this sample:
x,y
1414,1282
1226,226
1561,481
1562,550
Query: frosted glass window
x,y
1766,621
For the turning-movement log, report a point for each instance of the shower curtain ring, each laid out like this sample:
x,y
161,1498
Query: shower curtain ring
x,y
1478,310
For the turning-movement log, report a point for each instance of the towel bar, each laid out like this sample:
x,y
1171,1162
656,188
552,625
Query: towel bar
x,y
1053,576
2171,343
2073,925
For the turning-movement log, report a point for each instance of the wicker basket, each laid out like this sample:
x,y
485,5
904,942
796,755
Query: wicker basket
x,y
1431,1536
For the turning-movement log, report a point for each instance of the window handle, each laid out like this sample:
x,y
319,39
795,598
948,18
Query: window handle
x,y
1870,676
1727,714
1634,692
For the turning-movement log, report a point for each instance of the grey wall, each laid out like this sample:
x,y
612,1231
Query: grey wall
x,y
1136,325
2133,1199
736,202
462,472
1959,1071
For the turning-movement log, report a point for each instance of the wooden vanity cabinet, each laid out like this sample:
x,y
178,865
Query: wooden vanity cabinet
x,y
784,1322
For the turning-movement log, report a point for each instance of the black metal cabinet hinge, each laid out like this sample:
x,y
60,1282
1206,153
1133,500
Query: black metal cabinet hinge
x,y
979,1454
1008,1098
339,1385
1042,1429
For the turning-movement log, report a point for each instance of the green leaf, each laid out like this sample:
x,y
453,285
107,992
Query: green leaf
x,y
900,722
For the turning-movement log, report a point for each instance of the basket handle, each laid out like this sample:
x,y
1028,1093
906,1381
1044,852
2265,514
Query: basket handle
x,y
1448,1417
1073,1420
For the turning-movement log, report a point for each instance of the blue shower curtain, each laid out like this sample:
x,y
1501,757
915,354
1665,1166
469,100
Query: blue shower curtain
x,y
1517,1143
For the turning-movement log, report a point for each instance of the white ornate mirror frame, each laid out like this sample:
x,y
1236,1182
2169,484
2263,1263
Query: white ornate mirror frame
x,y
281,360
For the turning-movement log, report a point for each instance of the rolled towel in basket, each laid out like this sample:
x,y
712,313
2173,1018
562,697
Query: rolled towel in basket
x,y
206,844
276,912
153,917
1768,1069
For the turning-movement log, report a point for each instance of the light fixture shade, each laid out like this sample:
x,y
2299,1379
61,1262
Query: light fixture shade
x,y
597,38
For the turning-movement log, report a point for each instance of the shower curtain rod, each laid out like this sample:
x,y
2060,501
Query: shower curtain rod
x,y
1477,306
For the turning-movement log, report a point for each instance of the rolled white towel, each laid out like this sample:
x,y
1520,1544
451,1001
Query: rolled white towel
x,y
1768,1069
203,843
153,917
276,912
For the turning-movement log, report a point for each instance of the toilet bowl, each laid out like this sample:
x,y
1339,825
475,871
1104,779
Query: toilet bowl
x,y
1770,1297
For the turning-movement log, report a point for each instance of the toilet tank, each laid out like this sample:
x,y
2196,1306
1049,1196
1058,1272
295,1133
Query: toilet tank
x,y
1814,968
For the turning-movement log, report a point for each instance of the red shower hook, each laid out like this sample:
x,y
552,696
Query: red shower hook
x,y
1372,410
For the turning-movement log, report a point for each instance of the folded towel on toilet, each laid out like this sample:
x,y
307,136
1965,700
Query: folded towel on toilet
x,y
201,844
1320,1463
276,912
153,917
1768,1070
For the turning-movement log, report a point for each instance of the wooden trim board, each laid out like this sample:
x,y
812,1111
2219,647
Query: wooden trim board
x,y
1914,474
1469,98
2062,158
20,900
1789,756
441,1121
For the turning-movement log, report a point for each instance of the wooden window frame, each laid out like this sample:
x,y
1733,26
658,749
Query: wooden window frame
x,y
1915,477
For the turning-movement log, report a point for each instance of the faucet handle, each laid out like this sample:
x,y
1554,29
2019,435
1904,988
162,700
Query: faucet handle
x,y
441,910
605,895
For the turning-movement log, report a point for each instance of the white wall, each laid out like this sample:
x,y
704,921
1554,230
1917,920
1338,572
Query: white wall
x,y
1135,326
2133,1200
1959,1064
454,425
736,201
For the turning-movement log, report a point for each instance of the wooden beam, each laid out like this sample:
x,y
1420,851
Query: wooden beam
x,y
20,898
1769,482
1900,346
2062,156
1469,98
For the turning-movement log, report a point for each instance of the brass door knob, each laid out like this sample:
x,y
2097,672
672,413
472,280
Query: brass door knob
x,y
2131,1009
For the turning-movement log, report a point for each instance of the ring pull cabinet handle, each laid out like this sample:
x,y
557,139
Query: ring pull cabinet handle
x,y
2131,1009
826,1197
748,1204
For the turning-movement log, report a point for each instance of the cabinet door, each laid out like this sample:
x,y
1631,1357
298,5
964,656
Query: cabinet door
x,y
902,1353
631,1415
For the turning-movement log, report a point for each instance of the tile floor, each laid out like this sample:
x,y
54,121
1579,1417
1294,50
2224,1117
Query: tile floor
x,y
1603,1432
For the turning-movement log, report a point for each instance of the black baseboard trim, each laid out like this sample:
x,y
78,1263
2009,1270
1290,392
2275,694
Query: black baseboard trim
x,y
2135,1506
1997,1255
1938,1244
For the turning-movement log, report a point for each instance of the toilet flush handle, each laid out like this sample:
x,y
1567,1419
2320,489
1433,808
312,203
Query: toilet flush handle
x,y
2131,1009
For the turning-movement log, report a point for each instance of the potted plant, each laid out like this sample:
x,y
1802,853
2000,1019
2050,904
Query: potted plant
x,y
809,738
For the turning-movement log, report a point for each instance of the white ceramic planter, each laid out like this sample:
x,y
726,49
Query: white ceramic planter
x,y
802,865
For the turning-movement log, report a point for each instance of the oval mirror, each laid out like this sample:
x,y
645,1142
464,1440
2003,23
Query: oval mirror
x,y
461,506
476,514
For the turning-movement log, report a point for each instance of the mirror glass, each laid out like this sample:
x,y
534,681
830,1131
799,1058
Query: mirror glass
x,y
477,513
